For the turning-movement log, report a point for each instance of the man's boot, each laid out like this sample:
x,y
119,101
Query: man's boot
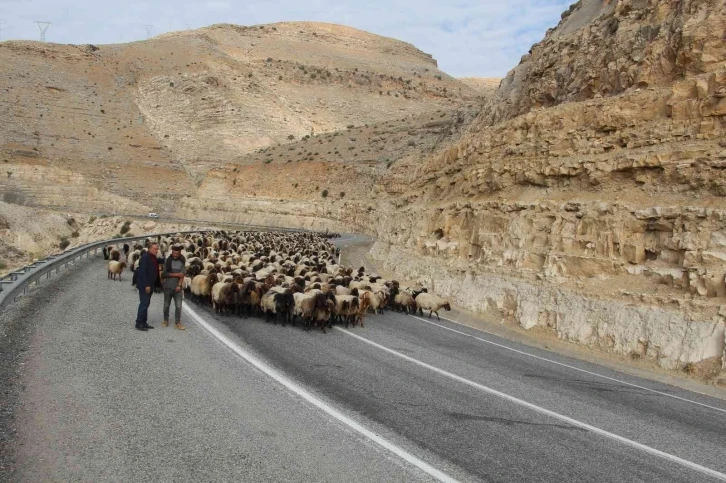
x,y
180,326
165,323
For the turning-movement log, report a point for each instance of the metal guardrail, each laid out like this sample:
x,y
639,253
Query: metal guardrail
x,y
18,281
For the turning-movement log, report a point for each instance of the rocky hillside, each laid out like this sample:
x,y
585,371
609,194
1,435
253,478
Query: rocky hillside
x,y
588,197
134,127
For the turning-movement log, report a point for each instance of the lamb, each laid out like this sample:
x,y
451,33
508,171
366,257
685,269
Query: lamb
x,y
432,303
115,268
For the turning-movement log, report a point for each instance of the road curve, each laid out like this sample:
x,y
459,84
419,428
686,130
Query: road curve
x,y
106,403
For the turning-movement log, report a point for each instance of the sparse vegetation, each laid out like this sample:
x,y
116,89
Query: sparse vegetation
x,y
125,227
75,234
64,242
324,193
70,221
91,219
3,265
342,194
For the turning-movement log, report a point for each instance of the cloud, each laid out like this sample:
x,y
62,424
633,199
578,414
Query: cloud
x,y
468,38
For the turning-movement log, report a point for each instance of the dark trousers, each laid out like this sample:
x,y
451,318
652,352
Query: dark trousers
x,y
144,301
178,297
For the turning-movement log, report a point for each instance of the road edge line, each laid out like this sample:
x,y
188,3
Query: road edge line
x,y
295,388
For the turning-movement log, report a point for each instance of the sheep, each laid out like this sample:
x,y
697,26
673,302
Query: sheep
x,y
322,315
346,308
403,301
220,296
306,305
115,268
249,297
376,301
365,303
202,286
295,273
432,303
276,304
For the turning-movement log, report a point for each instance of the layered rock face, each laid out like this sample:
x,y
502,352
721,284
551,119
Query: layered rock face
x,y
591,186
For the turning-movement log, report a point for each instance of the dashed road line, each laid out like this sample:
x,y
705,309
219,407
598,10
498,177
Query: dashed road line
x,y
569,366
574,422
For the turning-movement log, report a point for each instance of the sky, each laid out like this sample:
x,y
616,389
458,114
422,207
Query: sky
x,y
484,38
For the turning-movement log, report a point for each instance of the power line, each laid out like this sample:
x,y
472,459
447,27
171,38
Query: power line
x,y
43,26
148,30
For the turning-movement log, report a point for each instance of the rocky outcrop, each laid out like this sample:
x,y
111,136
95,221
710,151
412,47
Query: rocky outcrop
x,y
665,334
603,48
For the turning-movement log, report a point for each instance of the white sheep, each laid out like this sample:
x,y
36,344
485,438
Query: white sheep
x,y
432,303
115,268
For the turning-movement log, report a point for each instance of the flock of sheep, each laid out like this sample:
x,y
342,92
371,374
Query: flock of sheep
x,y
288,277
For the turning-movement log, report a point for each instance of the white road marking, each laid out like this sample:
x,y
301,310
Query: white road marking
x,y
540,409
565,365
280,378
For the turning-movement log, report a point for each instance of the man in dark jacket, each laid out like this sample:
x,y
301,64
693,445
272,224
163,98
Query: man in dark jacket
x,y
146,276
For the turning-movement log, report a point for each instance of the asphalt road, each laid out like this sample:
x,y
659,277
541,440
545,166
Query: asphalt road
x,y
103,402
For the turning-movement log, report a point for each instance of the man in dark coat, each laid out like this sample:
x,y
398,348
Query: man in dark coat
x,y
146,276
